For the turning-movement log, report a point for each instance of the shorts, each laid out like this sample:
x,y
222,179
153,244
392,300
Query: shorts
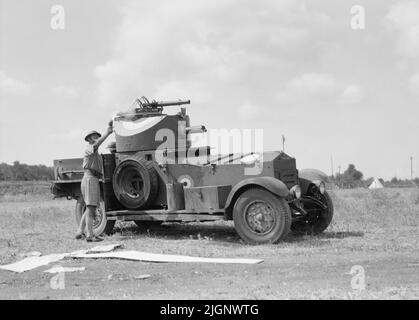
x,y
90,190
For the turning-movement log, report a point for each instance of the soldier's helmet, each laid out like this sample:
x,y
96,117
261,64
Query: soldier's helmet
x,y
91,133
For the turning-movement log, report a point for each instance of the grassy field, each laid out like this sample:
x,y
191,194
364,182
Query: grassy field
x,y
376,229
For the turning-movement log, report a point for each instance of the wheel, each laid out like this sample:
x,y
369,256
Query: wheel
x,y
261,217
147,224
135,183
100,224
318,218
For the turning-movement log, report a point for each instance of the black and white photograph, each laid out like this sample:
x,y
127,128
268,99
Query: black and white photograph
x,y
228,152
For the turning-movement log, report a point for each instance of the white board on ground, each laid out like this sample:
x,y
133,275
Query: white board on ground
x,y
155,257
33,262
30,263
104,252
104,248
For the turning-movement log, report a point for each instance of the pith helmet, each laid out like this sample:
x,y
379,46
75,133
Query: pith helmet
x,y
90,133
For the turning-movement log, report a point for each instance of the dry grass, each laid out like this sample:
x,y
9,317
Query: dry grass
x,y
377,229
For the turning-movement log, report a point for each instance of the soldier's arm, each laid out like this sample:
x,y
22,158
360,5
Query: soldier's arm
x,y
104,136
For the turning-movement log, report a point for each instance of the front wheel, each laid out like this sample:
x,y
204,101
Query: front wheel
x,y
318,217
261,216
100,224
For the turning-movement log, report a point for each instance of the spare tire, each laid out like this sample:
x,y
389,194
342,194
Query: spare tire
x,y
135,183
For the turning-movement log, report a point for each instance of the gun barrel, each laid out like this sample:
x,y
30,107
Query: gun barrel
x,y
167,103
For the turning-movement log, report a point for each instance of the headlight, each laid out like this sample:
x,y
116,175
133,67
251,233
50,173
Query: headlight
x,y
321,186
296,191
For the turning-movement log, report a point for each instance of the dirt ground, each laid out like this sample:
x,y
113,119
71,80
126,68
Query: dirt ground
x,y
375,233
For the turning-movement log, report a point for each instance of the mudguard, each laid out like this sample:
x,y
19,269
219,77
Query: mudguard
x,y
274,185
308,176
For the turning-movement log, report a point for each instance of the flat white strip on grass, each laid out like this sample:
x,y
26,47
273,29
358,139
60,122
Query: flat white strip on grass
x,y
104,252
30,263
104,248
155,257
33,262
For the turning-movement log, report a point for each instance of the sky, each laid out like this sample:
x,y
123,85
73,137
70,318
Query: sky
x,y
294,68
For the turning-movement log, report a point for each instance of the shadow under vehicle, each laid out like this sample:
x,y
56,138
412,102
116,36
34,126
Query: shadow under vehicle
x,y
153,174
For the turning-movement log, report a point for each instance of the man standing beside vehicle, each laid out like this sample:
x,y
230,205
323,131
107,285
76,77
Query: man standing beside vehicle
x,y
90,188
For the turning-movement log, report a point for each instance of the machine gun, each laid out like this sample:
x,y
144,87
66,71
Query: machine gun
x,y
143,108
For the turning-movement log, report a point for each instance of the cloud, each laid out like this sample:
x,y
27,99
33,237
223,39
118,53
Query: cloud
x,y
414,84
206,49
403,17
314,83
63,91
352,94
12,86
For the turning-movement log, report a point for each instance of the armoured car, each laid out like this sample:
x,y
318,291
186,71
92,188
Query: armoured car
x,y
152,174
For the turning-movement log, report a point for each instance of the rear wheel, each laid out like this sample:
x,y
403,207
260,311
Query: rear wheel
x,y
261,217
318,218
100,223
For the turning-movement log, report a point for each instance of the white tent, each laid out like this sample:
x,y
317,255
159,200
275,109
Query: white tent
x,y
376,184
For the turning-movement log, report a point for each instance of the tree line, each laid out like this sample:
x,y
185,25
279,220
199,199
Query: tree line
x,y
24,172
353,178
350,178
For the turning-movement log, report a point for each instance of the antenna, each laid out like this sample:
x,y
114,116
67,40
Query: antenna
x,y
283,143
411,168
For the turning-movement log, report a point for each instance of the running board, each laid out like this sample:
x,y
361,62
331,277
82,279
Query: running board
x,y
163,215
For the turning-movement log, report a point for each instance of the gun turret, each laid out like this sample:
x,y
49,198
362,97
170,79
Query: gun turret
x,y
146,108
145,103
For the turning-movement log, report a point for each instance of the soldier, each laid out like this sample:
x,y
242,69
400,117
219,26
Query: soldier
x,y
90,189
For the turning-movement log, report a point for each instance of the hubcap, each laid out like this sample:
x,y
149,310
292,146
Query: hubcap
x,y
260,217
132,183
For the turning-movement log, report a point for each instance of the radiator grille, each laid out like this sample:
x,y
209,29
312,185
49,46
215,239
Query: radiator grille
x,y
286,171
289,177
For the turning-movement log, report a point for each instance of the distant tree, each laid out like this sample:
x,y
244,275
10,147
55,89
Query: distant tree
x,y
394,180
352,177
